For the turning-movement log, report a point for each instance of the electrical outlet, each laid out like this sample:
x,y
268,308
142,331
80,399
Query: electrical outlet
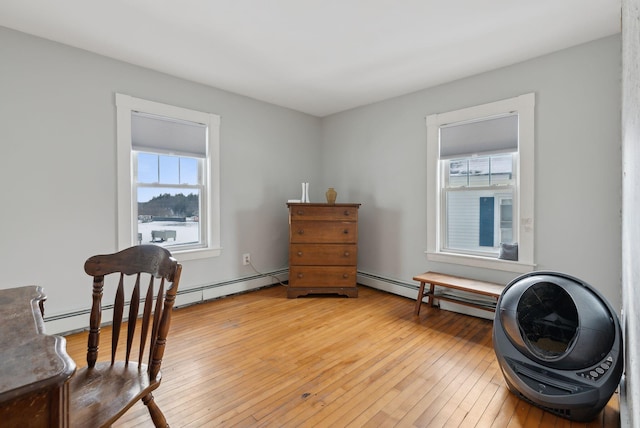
x,y
246,259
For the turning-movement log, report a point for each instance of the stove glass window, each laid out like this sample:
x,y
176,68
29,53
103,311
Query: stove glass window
x,y
548,320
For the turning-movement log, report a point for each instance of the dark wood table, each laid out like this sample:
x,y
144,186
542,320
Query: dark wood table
x,y
34,367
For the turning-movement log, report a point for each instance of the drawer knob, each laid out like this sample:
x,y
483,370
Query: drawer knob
x,y
300,253
346,231
345,275
300,231
300,212
346,212
346,254
300,275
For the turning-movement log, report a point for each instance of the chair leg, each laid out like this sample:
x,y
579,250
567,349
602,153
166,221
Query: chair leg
x,y
156,414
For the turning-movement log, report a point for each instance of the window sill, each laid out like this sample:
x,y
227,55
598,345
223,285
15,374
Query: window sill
x,y
482,262
196,254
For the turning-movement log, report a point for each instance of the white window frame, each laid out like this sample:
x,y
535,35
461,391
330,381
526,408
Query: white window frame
x,y
524,106
127,203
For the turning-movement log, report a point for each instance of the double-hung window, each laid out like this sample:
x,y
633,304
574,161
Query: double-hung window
x,y
480,186
168,175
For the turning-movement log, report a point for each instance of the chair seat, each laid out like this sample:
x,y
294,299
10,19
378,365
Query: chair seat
x,y
99,396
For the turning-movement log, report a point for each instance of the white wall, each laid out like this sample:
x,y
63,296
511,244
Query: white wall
x,y
630,391
376,155
58,139
57,134
57,127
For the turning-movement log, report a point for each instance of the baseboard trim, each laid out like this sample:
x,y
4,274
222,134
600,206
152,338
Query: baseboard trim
x,y
410,290
389,285
71,322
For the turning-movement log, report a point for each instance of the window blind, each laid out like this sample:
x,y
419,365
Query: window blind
x,y
161,134
482,137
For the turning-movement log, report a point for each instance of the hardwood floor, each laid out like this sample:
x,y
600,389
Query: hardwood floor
x,y
262,360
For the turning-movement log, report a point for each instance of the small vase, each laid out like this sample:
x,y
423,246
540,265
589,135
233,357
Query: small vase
x,y
331,196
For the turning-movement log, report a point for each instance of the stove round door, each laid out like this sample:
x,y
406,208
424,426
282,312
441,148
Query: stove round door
x,y
557,321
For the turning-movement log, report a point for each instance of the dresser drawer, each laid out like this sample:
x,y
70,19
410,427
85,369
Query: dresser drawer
x,y
323,232
324,254
325,276
331,213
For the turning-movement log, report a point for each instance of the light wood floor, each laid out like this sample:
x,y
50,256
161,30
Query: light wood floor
x,y
262,360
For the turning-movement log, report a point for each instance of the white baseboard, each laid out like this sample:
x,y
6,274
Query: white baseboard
x,y
410,290
389,285
79,320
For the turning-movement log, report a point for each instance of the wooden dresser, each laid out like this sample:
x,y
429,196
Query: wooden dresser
x,y
323,249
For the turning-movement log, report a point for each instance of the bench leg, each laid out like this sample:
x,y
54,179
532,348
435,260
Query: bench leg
x,y
432,295
416,311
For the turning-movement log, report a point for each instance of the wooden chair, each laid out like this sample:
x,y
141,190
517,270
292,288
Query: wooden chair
x,y
104,390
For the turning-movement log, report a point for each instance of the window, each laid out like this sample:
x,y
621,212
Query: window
x,y
480,182
477,204
168,178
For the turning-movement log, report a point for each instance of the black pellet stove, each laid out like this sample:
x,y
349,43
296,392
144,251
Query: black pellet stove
x,y
559,344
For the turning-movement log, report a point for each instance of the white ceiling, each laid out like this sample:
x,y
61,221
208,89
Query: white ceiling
x,y
317,56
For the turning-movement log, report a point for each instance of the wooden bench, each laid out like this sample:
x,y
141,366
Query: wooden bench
x,y
487,289
162,235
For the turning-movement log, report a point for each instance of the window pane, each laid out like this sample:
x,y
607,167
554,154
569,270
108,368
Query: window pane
x,y
463,220
501,169
458,172
479,171
147,168
506,221
189,171
168,216
478,220
169,170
